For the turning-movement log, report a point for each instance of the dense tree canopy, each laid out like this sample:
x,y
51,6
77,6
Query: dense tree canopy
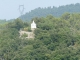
x,y
55,39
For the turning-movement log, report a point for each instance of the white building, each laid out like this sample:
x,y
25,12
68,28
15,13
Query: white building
x,y
33,25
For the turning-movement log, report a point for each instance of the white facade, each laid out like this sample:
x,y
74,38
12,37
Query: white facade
x,y
33,25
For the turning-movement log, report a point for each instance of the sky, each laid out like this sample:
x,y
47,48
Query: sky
x,y
9,9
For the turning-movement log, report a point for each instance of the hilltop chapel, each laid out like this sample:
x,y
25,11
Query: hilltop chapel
x,y
33,26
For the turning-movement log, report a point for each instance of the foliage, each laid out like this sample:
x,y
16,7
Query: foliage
x,y
16,24
24,35
55,39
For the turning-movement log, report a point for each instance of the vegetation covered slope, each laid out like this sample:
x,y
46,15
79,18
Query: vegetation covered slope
x,y
55,39
55,11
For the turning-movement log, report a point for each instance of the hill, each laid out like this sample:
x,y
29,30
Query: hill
x,y
55,11
55,39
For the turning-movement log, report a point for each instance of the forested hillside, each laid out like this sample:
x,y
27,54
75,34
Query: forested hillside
x,y
55,39
55,11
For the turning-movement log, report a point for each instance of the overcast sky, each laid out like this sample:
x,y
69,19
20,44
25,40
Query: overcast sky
x,y
9,8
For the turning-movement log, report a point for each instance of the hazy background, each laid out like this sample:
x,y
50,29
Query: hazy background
x,y
9,8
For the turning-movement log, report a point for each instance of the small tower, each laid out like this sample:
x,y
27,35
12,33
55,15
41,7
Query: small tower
x,y
33,26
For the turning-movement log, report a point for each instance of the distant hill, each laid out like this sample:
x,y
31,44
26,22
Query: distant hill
x,y
55,11
3,21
